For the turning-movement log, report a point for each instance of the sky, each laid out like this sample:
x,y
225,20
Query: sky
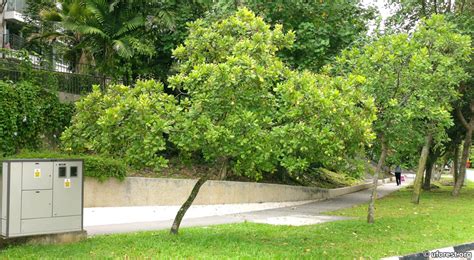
x,y
380,4
384,11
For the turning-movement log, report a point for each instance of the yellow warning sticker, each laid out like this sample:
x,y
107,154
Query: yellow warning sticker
x,y
67,183
37,173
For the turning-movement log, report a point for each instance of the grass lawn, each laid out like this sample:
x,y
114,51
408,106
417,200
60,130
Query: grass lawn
x,y
400,228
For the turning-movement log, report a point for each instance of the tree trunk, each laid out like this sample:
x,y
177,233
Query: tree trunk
x,y
439,170
186,205
421,168
456,164
462,167
373,196
466,148
423,8
223,171
428,174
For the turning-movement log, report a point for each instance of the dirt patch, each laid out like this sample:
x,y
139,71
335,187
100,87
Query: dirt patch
x,y
319,177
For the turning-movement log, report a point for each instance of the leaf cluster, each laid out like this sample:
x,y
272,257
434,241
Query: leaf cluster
x,y
124,122
30,115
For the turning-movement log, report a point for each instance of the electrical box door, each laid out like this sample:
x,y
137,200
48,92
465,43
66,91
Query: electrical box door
x,y
37,175
67,189
36,204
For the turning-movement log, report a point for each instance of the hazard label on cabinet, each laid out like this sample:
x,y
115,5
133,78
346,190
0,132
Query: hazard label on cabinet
x,y
67,183
37,173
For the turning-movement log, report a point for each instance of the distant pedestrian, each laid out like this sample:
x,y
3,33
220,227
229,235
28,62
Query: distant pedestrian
x,y
398,175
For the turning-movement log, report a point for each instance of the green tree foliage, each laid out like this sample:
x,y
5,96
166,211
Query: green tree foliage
x,y
159,25
245,109
106,32
166,28
124,122
322,28
30,115
413,79
322,122
408,13
229,69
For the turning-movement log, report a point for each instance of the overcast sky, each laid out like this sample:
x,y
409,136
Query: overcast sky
x,y
383,10
380,4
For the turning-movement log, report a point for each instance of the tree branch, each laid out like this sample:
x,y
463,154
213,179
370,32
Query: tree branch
x,y
2,5
461,118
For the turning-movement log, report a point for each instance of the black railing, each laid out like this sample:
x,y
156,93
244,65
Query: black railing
x,y
20,64
45,60
12,41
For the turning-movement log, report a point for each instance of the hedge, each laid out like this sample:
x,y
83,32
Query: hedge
x,y
30,116
95,166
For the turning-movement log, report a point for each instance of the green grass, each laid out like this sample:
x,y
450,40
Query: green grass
x,y
400,228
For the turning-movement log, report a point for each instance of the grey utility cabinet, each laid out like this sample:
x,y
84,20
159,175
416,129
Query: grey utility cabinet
x,y
41,196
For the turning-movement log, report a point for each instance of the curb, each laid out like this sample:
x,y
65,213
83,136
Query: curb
x,y
463,251
332,193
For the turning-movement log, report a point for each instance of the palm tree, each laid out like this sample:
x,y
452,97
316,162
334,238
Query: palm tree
x,y
104,33
63,16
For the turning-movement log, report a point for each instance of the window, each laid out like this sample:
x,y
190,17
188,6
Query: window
x,y
73,171
62,171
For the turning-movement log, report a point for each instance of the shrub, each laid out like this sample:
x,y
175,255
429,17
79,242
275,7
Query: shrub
x,y
229,114
124,122
29,115
95,166
324,178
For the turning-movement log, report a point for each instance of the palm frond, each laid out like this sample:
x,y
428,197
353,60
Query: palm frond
x,y
51,16
98,9
165,18
85,29
113,5
123,48
131,25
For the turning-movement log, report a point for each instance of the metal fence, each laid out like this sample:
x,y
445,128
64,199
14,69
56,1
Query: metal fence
x,y
42,59
53,71
60,81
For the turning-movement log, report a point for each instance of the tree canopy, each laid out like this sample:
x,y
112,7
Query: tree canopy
x,y
245,108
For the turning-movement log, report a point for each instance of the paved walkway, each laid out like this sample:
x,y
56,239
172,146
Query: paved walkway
x,y
300,213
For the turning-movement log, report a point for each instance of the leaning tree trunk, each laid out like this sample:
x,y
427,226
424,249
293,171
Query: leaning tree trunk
x,y
428,174
186,205
466,148
421,168
373,196
430,166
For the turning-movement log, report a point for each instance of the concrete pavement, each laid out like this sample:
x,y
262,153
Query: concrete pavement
x,y
298,214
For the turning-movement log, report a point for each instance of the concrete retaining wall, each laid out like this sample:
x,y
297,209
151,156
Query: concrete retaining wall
x,y
135,191
66,97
